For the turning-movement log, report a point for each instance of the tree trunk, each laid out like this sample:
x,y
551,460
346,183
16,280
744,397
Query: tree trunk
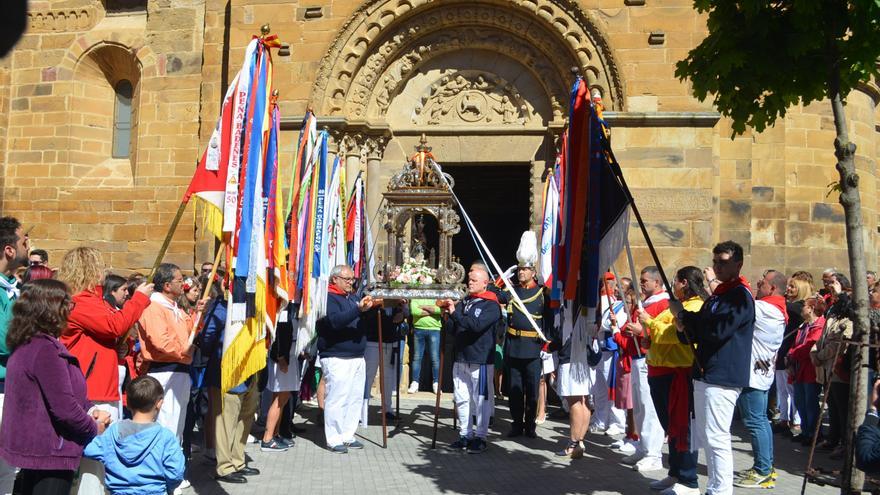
x,y
845,151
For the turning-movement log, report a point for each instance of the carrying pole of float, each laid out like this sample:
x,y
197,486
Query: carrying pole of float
x,y
439,382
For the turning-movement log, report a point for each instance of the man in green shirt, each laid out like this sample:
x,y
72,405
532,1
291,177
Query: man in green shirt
x,y
426,332
14,243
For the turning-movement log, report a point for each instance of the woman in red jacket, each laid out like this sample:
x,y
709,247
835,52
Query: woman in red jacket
x,y
806,390
94,328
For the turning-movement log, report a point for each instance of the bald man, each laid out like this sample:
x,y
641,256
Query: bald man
x,y
473,324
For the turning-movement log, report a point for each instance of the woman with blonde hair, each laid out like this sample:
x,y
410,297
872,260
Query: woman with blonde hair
x,y
93,331
798,289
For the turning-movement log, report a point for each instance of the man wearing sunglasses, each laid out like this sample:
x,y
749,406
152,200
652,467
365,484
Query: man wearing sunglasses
x,y
722,331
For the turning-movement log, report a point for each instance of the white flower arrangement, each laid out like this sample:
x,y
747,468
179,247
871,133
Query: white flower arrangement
x,y
413,272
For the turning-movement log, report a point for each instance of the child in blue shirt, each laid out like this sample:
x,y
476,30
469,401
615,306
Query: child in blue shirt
x,y
139,455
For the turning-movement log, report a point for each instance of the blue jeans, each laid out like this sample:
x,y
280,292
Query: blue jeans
x,y
432,338
753,410
806,400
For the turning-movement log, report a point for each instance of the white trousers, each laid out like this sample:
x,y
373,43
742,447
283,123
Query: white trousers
x,y
469,401
713,414
371,356
343,397
650,432
7,472
605,414
785,398
122,372
173,412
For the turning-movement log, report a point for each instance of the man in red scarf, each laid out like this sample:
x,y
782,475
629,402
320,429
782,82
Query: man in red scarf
x,y
473,323
722,331
770,320
341,345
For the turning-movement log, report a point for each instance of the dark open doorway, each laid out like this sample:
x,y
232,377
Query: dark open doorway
x,y
497,199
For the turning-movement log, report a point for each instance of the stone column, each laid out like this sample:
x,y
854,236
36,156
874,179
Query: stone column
x,y
352,148
375,149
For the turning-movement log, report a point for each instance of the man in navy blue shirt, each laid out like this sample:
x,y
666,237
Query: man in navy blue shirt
x,y
473,322
722,331
341,345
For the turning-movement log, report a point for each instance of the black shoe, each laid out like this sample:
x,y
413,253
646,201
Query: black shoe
x,y
248,471
232,478
531,434
459,445
515,431
389,416
297,429
477,446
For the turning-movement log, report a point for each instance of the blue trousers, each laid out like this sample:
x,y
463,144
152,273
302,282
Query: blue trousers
x,y
421,339
753,411
806,400
682,465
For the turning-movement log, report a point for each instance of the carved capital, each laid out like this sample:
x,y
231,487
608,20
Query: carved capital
x,y
375,147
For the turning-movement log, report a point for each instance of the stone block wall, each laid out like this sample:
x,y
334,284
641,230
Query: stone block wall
x,y
695,185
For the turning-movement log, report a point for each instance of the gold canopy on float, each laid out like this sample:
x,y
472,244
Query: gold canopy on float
x,y
407,270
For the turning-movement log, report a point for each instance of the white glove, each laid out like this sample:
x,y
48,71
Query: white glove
x,y
509,273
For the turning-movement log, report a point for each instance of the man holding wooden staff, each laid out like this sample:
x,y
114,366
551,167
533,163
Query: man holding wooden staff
x,y
341,345
473,323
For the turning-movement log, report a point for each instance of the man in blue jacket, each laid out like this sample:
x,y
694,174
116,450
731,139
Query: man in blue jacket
x,y
722,332
341,345
473,322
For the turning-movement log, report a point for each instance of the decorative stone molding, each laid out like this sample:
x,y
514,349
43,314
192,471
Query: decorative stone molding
x,y
552,73
369,42
474,98
62,20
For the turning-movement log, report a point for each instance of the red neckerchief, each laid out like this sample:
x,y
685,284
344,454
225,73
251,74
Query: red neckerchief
x,y
336,290
531,285
779,302
732,284
487,295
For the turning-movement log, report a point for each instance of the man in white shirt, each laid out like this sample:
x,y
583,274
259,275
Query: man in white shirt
x,y
770,320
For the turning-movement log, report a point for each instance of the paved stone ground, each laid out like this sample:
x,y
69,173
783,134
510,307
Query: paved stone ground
x,y
521,465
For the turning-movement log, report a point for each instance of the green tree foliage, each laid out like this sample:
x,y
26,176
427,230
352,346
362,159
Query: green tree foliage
x,y
761,57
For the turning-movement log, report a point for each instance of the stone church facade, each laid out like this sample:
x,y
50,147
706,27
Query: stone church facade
x,y
105,106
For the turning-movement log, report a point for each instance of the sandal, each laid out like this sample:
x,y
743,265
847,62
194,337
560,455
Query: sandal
x,y
573,450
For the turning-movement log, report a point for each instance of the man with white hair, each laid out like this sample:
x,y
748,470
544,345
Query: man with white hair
x,y
473,323
770,319
341,344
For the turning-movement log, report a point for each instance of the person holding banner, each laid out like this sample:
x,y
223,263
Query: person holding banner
x,y
473,322
522,346
341,345
670,363
607,418
722,331
163,330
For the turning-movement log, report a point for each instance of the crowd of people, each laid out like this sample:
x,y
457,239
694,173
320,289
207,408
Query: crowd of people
x,y
104,378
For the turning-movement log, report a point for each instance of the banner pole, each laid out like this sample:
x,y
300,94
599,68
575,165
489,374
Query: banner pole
x,y
167,241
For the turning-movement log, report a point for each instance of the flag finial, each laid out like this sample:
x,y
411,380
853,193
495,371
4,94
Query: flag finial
x,y
265,29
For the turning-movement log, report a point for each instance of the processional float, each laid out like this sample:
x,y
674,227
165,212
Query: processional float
x,y
406,271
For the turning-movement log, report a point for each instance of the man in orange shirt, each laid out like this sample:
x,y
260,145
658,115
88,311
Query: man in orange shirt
x,y
163,330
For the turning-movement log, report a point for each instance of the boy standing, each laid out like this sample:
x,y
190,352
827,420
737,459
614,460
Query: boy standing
x,y
139,455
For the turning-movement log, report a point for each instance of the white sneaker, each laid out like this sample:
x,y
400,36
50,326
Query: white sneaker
x,y
434,386
649,464
614,430
632,459
252,439
595,428
629,446
663,484
413,388
678,489
184,484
